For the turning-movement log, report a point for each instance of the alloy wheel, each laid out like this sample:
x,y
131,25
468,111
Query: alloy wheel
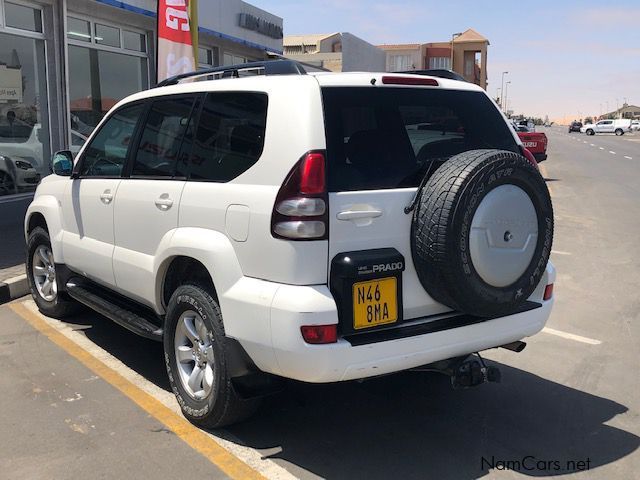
x,y
195,360
44,273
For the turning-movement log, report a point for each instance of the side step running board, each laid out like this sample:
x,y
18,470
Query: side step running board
x,y
113,308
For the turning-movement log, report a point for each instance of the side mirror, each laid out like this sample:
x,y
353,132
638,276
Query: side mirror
x,y
62,163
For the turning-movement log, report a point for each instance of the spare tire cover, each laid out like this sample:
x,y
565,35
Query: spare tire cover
x,y
482,232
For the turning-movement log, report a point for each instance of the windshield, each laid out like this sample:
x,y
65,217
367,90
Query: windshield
x,y
379,138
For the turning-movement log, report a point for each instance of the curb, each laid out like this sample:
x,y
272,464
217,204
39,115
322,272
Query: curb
x,y
13,288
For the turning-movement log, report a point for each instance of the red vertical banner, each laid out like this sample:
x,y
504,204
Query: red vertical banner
x,y
177,37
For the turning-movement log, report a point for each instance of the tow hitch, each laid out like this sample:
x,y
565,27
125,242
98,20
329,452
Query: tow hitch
x,y
465,372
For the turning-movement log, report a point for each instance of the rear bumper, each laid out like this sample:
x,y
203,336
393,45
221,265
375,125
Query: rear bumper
x,y
286,354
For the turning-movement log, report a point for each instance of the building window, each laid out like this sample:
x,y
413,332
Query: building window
x,y
400,63
23,17
78,29
230,59
134,41
440,63
107,35
24,115
105,65
208,57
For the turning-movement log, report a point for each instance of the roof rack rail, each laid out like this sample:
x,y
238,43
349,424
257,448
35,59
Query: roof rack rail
x,y
268,67
437,72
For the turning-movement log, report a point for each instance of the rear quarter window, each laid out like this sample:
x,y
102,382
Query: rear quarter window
x,y
230,135
381,138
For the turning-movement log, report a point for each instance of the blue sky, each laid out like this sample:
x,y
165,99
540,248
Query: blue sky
x,y
565,57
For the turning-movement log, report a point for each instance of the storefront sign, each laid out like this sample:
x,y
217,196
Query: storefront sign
x,y
261,26
10,84
177,37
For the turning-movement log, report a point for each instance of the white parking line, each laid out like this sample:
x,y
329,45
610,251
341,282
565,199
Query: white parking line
x,y
571,336
592,144
601,148
612,153
560,252
628,158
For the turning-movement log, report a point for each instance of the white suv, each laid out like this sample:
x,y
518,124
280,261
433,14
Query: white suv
x,y
317,227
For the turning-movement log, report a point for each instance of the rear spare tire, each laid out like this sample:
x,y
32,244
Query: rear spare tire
x,y
482,232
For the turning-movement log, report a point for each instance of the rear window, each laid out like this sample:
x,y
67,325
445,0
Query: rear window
x,y
380,138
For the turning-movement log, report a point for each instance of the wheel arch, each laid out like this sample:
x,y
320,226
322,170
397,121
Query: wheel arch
x,y
44,212
205,256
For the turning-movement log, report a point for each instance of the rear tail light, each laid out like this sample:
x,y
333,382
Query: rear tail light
x,y
548,292
300,211
529,156
318,334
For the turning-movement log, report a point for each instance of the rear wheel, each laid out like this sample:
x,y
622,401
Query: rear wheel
x,y
43,281
196,361
619,131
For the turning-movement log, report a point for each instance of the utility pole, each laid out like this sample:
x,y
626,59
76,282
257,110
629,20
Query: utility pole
x,y
502,90
453,37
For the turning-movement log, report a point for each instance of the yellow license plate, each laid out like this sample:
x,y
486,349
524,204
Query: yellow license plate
x,y
375,303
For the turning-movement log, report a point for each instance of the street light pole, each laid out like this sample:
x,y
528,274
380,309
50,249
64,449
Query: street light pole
x,y
502,90
506,89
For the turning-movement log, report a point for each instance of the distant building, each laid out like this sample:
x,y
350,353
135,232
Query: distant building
x,y
469,56
338,52
626,111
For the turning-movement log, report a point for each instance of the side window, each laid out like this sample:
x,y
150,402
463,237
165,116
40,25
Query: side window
x,y
230,135
107,152
163,137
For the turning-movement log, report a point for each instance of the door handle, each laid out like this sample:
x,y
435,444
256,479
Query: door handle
x,y
106,197
164,203
358,214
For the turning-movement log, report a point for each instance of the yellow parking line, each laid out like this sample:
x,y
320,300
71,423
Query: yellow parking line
x,y
193,436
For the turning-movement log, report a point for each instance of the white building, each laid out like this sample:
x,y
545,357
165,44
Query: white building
x,y
338,52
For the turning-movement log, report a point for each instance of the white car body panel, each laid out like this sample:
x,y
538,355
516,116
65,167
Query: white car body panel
x,y
88,240
145,211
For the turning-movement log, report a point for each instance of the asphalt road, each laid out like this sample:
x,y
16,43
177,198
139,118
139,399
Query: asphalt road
x,y
568,405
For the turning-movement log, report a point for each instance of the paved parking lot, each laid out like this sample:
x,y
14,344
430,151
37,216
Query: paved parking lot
x,y
86,397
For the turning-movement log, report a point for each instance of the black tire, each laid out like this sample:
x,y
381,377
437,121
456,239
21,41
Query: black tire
x,y
61,306
441,229
223,406
590,132
619,132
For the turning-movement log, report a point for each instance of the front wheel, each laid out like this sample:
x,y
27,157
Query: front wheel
x,y
43,281
196,361
590,132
